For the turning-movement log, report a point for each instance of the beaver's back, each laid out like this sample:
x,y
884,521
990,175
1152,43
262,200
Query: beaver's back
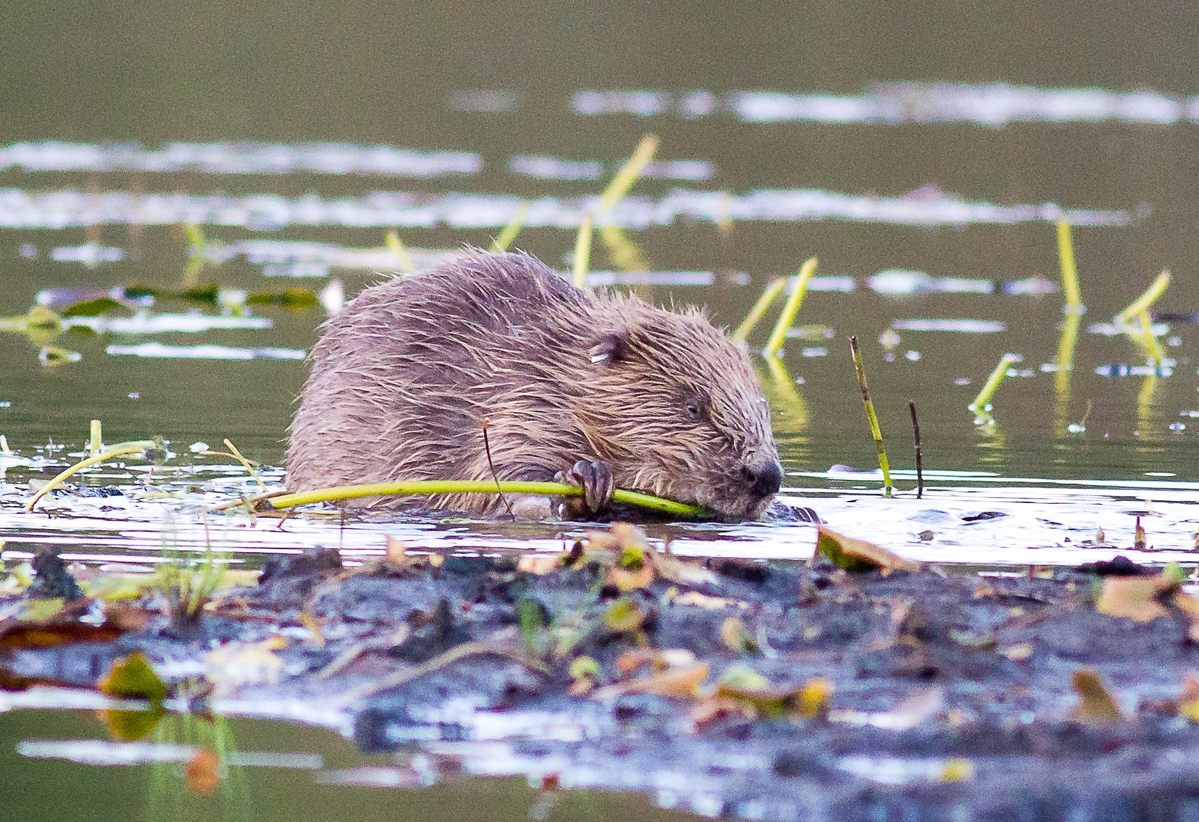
x,y
402,378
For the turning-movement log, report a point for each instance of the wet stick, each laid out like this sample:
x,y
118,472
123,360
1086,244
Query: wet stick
x,y
510,231
582,254
491,466
427,487
1065,257
874,429
121,450
787,318
767,298
983,401
919,457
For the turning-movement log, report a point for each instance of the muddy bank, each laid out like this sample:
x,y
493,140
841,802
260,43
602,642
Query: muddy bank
x,y
774,690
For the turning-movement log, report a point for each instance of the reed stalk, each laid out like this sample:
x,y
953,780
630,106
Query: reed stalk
x,y
121,450
1065,256
396,246
629,172
875,431
582,254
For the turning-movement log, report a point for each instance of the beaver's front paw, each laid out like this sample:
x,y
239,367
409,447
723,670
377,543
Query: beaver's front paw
x,y
595,478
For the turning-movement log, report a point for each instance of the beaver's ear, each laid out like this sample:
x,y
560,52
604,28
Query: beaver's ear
x,y
612,348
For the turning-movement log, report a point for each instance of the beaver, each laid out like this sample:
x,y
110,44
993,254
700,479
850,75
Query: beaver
x,y
600,391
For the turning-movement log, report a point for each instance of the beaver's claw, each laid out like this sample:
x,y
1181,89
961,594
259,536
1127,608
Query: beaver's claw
x,y
595,478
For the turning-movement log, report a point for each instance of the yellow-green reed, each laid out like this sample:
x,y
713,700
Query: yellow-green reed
x,y
119,450
426,487
982,401
1144,302
767,298
790,309
875,431
582,254
1065,256
628,173
95,440
396,246
513,228
245,463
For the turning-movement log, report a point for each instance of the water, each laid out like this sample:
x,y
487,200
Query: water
x,y
921,154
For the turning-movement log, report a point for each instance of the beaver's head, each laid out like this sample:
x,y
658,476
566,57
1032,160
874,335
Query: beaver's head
x,y
673,406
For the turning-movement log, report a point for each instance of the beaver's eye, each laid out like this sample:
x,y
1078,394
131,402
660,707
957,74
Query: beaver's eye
x,y
695,410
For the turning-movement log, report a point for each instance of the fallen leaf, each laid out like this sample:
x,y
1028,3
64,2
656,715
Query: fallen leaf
x,y
738,638
539,564
681,681
1137,598
397,551
1096,705
914,710
132,677
857,555
623,616
704,601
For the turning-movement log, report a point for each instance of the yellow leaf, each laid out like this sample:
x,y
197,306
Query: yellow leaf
x,y
1132,597
681,681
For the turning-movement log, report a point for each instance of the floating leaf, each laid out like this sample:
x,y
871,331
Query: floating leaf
x,y
131,677
857,555
1096,704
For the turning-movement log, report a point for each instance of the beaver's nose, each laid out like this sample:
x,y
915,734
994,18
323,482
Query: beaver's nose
x,y
764,479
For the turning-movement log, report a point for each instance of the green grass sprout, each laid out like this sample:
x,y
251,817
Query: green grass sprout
x,y
769,295
1144,302
582,254
505,238
787,318
396,246
245,462
628,174
982,403
1065,256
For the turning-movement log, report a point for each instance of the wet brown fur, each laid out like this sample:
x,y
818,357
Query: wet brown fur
x,y
403,377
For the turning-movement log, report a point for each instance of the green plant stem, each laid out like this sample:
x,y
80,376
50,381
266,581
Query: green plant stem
x,y
874,427
787,318
767,298
582,253
1145,301
124,449
1065,256
95,440
992,383
513,228
421,487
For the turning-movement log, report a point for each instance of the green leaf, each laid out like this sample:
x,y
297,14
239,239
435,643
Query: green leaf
x,y
131,677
